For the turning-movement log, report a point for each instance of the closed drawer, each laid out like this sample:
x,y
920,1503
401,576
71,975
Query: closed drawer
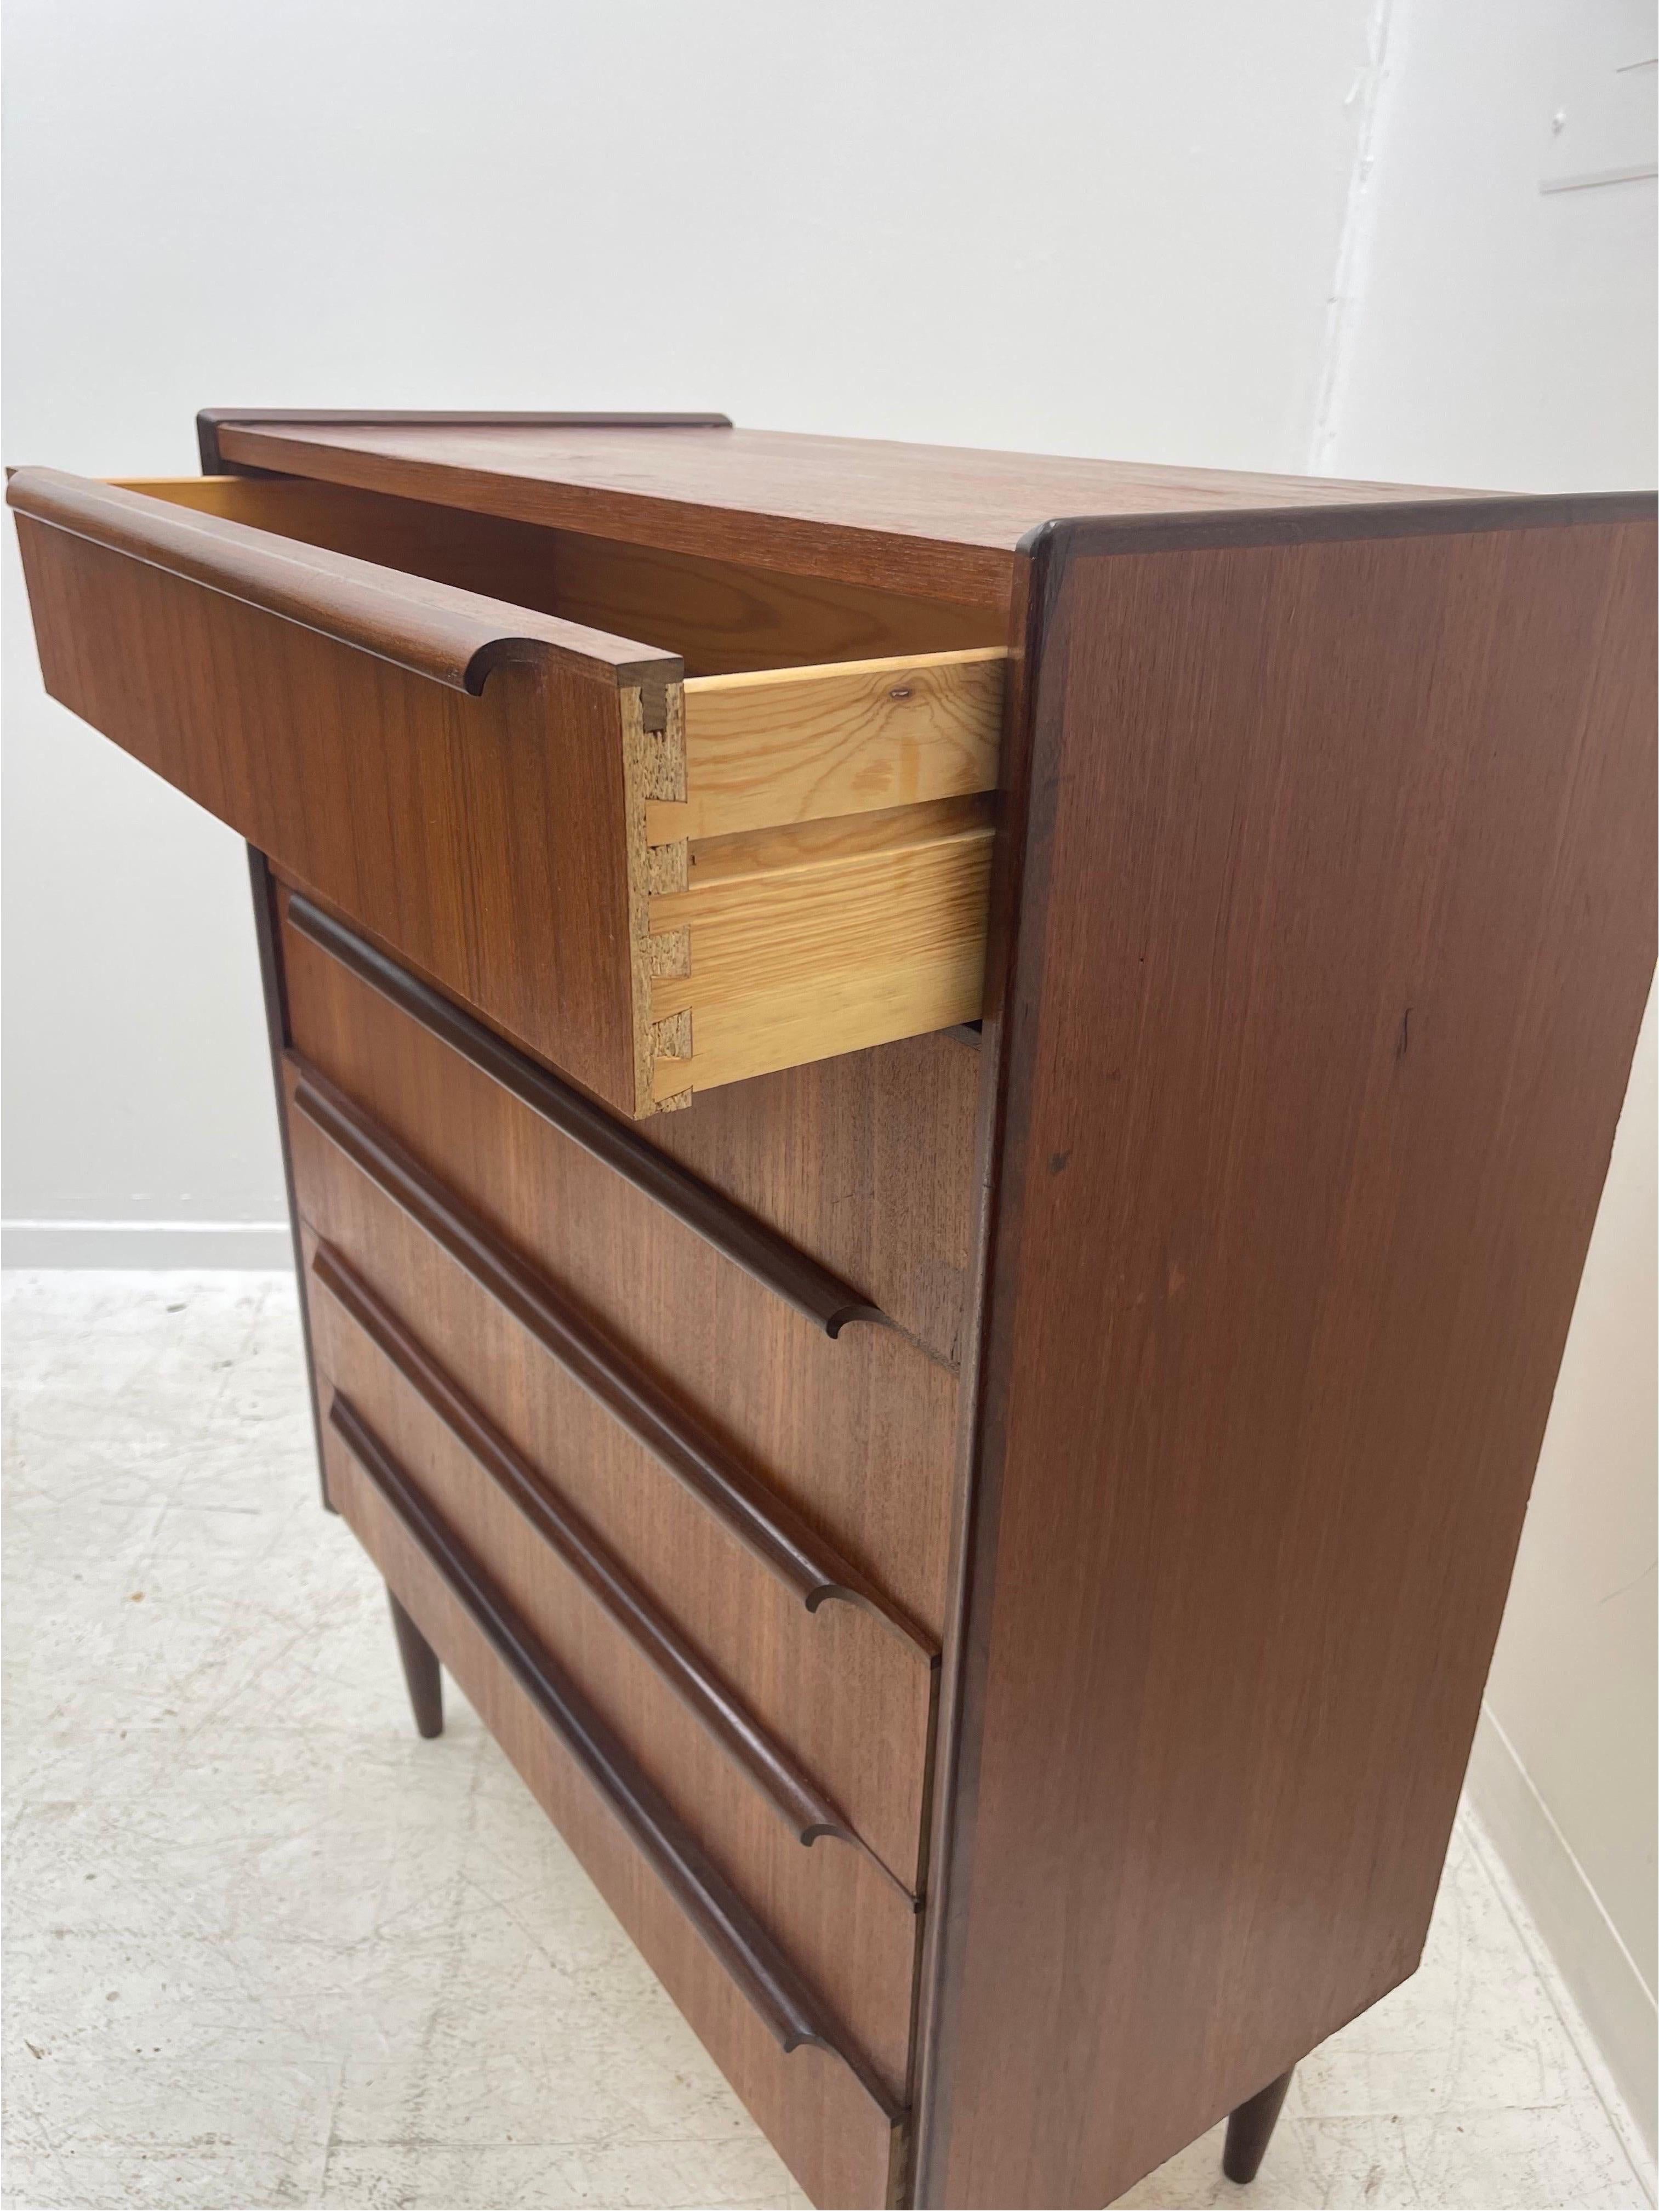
x,y
844,1186
797,1619
855,1431
751,1800
661,882
824,2101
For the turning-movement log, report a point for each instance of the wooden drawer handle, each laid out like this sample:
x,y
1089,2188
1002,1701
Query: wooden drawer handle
x,y
790,2009
792,1795
453,637
760,1252
777,1536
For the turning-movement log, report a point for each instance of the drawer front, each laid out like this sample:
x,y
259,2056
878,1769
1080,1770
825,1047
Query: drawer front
x,y
454,773
843,1186
809,1640
821,2101
660,886
841,1916
856,1432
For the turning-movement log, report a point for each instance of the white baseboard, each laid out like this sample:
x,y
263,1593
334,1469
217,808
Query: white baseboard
x,y
146,1244
1601,1976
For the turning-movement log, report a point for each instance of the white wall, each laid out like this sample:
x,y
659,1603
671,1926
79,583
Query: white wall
x,y
1095,228
1493,334
1202,233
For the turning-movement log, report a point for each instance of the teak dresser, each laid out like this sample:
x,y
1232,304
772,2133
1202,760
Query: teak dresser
x,y
943,1110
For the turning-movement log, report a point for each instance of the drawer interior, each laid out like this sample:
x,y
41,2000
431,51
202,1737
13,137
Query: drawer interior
x,y
723,618
810,835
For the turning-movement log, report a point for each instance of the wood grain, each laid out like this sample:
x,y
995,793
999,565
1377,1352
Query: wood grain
x,y
729,616
798,744
866,1160
833,1156
860,941
792,2011
825,937
939,521
721,616
429,628
1321,918
846,1922
670,1431
1332,923
209,421
794,1796
854,1437
839,2146
483,839
813,1290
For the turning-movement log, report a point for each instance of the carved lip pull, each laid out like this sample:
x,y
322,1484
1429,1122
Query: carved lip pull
x,y
758,1250
754,1515
455,637
791,2009
792,1795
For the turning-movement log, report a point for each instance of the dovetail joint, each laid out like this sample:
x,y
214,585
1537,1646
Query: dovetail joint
x,y
655,765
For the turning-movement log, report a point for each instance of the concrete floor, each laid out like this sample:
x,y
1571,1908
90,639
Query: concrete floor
x,y
266,1947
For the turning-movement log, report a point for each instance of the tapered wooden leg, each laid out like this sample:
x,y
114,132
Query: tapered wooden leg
x,y
1250,2129
424,1674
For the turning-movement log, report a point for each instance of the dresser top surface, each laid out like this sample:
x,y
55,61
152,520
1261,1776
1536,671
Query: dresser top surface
x,y
929,519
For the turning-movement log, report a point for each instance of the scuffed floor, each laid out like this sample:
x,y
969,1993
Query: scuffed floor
x,y
266,1947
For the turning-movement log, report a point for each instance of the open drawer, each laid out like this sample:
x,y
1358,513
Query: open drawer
x,y
660,867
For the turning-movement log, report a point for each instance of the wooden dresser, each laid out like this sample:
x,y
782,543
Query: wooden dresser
x,y
943,1110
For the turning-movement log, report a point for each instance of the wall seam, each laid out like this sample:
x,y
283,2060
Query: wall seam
x,y
1353,252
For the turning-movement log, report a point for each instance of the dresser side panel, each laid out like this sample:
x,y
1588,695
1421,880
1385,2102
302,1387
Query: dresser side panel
x,y
1336,927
